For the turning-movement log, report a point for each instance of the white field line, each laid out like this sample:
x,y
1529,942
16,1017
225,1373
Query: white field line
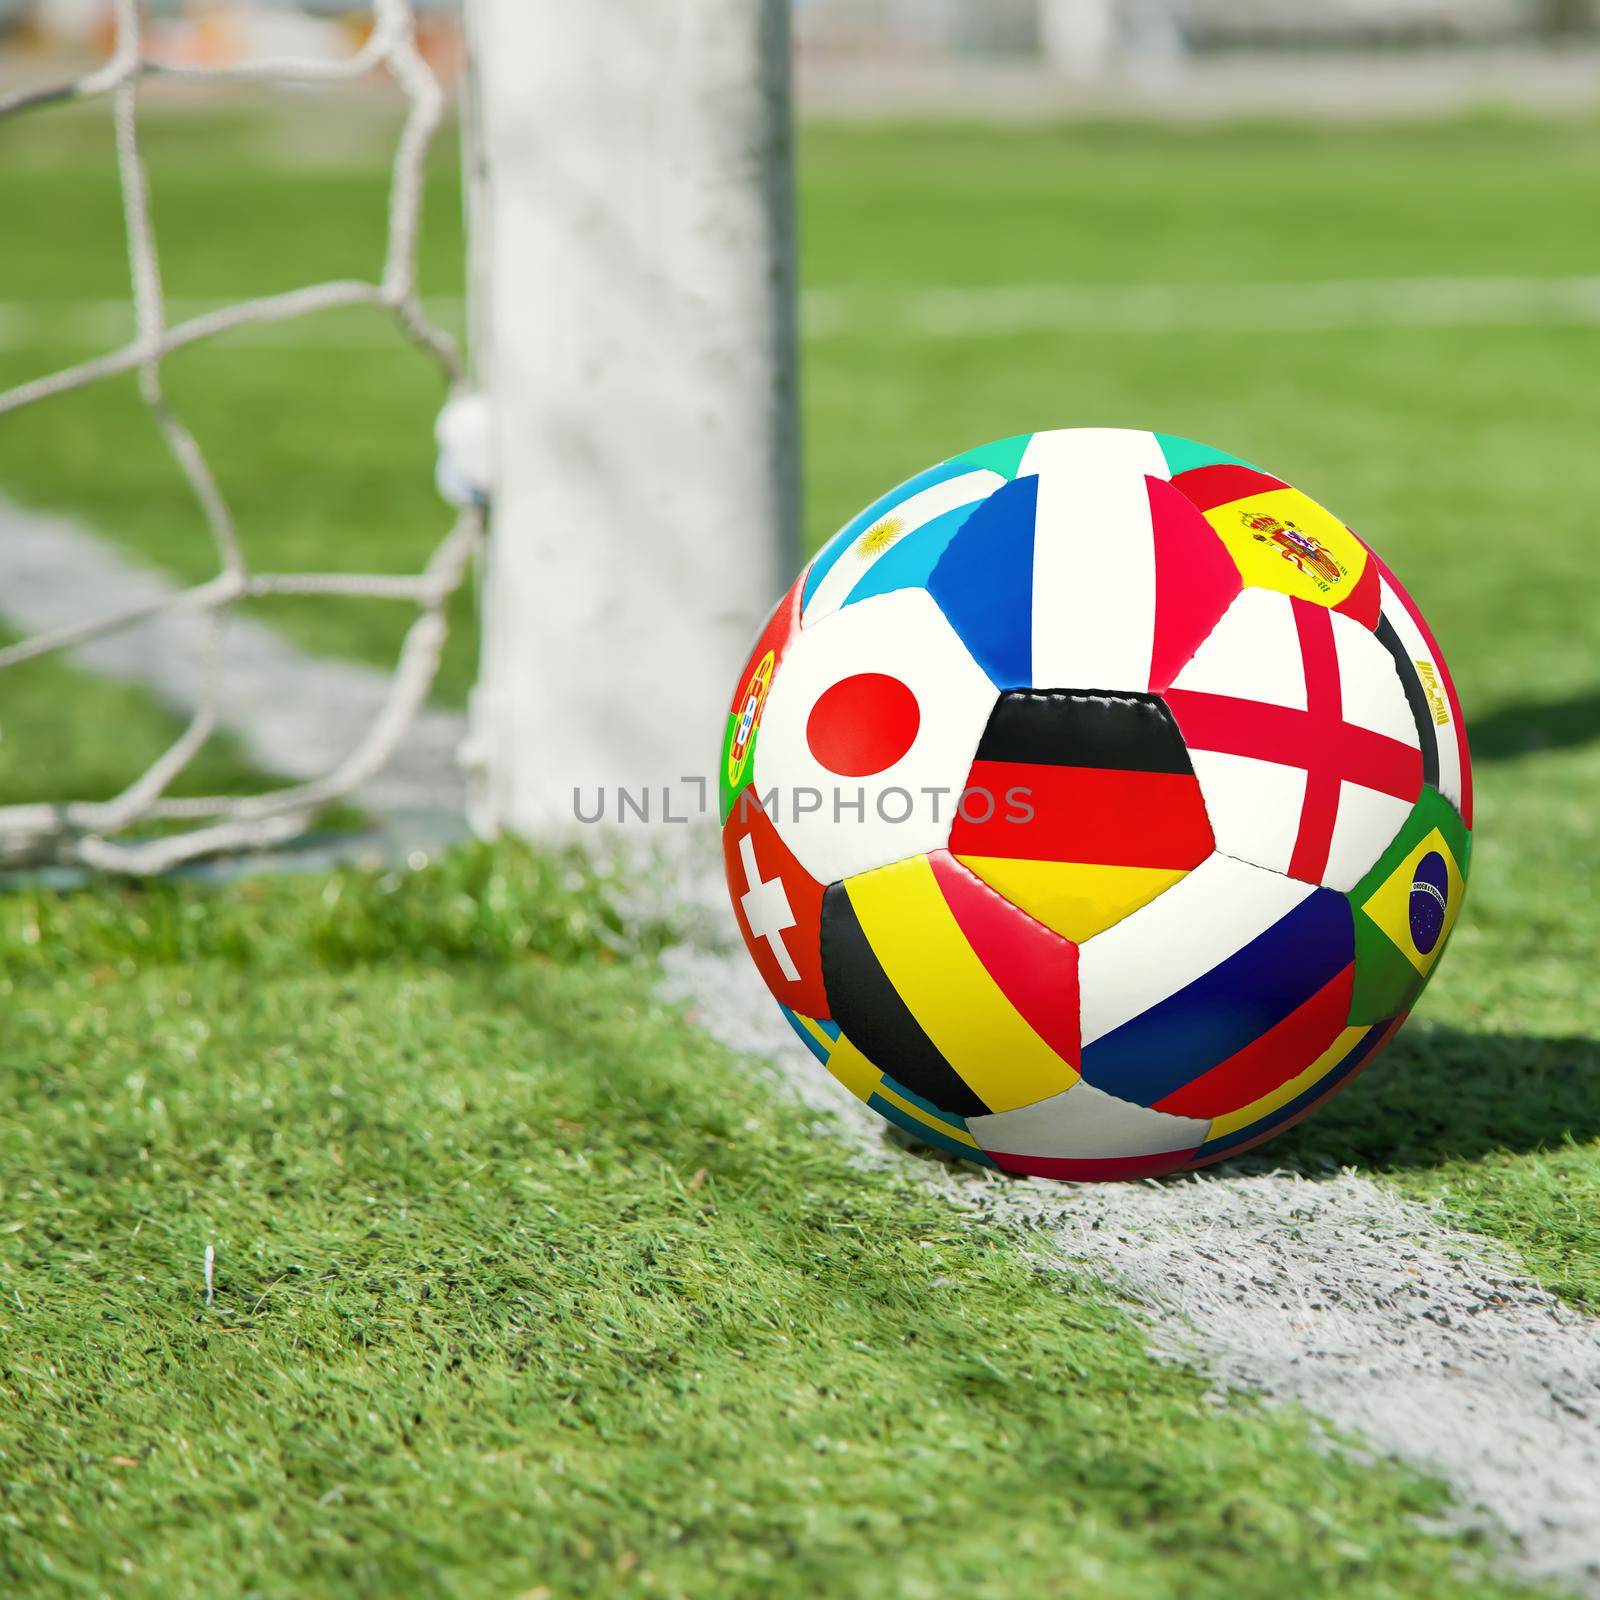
x,y
1338,305
1425,1344
961,313
295,714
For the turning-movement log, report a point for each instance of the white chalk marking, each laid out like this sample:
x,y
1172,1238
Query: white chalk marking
x,y
1335,306
294,714
961,312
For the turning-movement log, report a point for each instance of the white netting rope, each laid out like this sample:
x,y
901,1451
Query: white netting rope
x,y
85,832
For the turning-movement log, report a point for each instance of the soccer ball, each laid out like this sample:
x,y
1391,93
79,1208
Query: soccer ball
x,y
1095,805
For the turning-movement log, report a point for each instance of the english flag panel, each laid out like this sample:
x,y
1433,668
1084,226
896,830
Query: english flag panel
x,y
1371,693
1348,733
1366,821
1254,806
1252,653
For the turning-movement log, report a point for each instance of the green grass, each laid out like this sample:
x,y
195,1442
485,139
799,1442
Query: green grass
x,y
523,1286
478,1328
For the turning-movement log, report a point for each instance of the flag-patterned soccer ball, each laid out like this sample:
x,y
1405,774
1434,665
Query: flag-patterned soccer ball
x,y
1095,804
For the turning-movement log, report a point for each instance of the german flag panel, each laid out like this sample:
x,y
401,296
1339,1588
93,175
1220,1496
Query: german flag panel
x,y
1081,807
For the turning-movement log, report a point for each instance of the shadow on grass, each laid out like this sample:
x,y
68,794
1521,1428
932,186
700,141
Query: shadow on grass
x,y
1437,1094
1440,1094
1526,727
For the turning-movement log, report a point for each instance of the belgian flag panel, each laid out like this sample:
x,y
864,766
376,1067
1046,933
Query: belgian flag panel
x,y
1081,806
868,1007
957,995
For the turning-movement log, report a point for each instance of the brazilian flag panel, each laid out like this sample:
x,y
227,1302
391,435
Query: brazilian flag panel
x,y
1406,906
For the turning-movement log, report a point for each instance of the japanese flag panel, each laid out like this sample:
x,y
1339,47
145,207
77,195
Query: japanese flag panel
x,y
868,734
1301,736
1087,571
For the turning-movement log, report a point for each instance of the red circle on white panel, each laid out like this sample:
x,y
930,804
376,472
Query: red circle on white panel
x,y
863,724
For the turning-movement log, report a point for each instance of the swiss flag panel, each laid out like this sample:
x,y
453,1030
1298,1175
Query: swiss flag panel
x,y
778,906
1301,736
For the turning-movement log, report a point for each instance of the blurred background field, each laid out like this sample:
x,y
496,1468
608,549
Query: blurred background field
x,y
1458,444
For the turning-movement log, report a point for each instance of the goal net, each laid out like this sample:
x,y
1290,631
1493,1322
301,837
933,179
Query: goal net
x,y
118,833
631,300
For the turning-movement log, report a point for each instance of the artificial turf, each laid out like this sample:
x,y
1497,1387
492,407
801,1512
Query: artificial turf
x,y
522,1287
438,1131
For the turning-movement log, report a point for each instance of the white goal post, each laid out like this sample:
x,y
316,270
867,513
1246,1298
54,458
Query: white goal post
x,y
629,423
633,311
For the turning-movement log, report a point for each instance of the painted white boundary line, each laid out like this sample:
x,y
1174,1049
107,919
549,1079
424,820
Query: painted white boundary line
x,y
1427,1344
295,714
963,313
1339,305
